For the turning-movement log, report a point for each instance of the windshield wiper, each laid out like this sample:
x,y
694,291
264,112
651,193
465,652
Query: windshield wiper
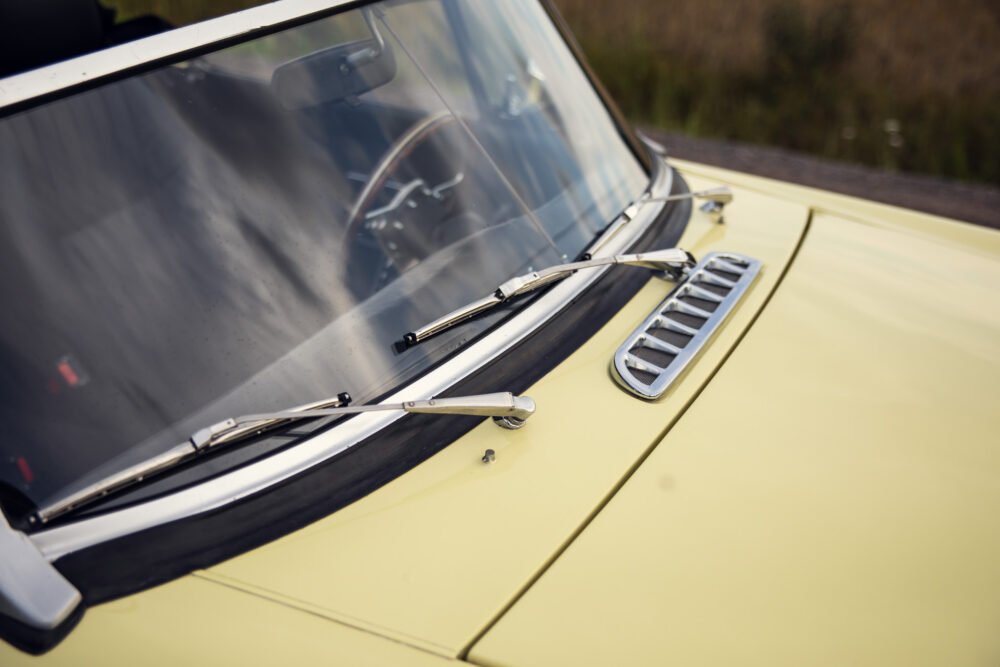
x,y
675,261
715,200
508,411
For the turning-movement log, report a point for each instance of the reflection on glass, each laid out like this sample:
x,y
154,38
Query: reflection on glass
x,y
255,228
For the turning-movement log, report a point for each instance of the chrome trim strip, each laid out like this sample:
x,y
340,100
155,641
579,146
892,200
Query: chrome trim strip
x,y
61,540
625,361
92,66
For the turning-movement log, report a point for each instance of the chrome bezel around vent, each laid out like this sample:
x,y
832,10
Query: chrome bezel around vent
x,y
712,275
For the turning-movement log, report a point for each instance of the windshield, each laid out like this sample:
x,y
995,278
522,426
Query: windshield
x,y
255,228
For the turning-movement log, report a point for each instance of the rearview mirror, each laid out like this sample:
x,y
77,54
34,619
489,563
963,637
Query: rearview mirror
x,y
336,73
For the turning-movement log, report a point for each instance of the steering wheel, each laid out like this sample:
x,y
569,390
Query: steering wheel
x,y
400,150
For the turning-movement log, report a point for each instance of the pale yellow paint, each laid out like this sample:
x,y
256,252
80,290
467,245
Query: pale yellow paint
x,y
819,555
832,496
194,622
433,557
859,210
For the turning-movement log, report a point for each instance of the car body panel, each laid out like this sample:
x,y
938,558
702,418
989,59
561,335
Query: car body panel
x,y
434,556
830,497
946,230
892,513
193,621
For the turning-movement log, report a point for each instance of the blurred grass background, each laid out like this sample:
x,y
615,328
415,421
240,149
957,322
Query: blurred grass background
x,y
912,86
909,86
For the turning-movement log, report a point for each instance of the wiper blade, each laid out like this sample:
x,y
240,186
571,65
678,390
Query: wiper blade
x,y
508,411
675,261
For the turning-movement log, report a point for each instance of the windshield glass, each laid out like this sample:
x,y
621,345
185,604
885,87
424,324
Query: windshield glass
x,y
254,228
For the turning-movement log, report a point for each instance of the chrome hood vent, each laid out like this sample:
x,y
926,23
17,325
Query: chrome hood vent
x,y
657,352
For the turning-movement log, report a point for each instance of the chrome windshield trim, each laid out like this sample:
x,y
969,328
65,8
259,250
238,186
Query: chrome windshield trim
x,y
59,541
84,69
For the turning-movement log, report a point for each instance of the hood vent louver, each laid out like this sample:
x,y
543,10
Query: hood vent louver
x,y
656,353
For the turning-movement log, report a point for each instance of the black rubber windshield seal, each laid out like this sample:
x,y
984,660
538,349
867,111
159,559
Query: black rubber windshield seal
x,y
144,559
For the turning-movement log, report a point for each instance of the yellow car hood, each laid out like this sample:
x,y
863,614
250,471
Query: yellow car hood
x,y
831,497
819,487
434,557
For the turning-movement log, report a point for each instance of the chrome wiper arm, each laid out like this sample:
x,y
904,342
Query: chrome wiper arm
x,y
164,461
672,260
720,195
507,410
715,199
